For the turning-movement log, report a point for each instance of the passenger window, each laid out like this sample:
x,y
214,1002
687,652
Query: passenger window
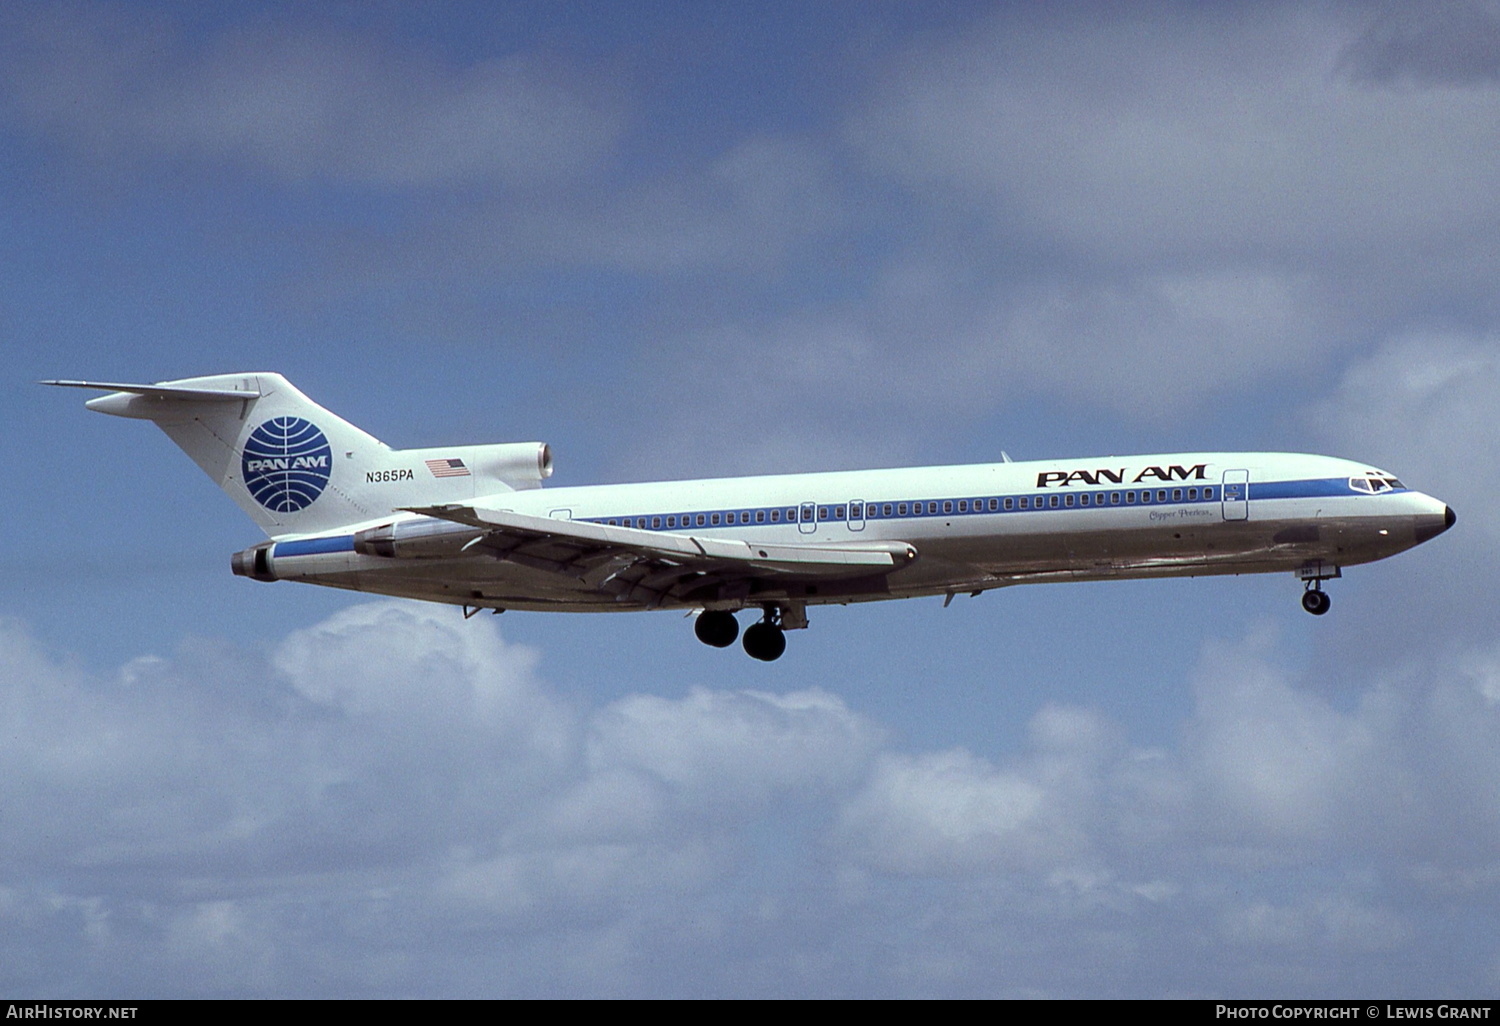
x,y
1176,494
700,519
1114,498
885,510
1052,502
1161,496
775,516
838,513
1008,503
948,506
656,523
963,505
1083,500
1208,493
901,509
714,519
1130,498
760,516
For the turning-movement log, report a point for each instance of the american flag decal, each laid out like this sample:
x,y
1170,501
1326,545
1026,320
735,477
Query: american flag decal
x,y
447,468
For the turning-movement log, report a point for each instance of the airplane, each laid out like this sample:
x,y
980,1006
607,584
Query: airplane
x,y
471,525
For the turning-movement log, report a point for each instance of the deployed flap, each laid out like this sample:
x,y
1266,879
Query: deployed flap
x,y
653,567
820,560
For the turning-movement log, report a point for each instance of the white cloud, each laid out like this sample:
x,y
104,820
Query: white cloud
x,y
950,812
410,776
719,750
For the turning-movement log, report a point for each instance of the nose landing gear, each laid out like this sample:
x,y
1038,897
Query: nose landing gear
x,y
1314,599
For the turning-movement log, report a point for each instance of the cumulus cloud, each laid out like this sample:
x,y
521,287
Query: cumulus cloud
x,y
412,777
949,812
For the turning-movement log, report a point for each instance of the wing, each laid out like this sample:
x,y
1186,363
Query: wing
x,y
653,567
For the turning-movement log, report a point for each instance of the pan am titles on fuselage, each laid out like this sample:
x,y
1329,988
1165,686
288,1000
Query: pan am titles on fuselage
x,y
472,526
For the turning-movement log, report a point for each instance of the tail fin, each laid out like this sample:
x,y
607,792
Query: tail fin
x,y
296,468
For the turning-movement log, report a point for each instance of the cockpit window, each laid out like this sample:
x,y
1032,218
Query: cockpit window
x,y
1375,483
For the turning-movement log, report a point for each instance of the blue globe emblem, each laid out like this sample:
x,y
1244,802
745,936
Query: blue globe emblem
x,y
286,464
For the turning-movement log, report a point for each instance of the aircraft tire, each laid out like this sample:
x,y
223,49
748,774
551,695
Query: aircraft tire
x,y
717,628
765,641
1316,602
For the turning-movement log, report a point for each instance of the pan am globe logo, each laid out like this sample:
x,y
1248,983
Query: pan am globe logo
x,y
286,464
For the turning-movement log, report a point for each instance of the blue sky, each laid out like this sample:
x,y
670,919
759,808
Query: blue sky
x,y
681,240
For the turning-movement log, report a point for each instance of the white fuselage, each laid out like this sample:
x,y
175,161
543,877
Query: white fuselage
x,y
973,528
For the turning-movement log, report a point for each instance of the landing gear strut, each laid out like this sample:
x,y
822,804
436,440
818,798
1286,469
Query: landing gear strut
x,y
1314,599
765,640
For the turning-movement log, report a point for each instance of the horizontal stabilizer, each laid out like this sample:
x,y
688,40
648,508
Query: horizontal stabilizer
x,y
162,391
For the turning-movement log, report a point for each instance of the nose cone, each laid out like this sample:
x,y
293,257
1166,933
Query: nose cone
x,y
1430,527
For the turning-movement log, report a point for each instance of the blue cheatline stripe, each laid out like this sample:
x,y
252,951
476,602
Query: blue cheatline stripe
x,y
1328,486
314,546
1127,497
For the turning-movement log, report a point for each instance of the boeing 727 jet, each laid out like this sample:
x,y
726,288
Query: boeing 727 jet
x,y
472,526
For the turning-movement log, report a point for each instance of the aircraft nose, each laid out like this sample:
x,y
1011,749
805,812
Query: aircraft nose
x,y
1427,529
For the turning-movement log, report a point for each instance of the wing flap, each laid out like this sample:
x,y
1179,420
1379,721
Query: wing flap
x,y
510,534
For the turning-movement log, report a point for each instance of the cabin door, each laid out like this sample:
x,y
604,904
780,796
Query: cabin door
x,y
1236,502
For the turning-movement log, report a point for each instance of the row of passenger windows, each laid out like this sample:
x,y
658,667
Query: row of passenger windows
x,y
860,511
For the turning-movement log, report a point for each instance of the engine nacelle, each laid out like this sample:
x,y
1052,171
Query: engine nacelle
x,y
255,563
415,539
512,466
518,464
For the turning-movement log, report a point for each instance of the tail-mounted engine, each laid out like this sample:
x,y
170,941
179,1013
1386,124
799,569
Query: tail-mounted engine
x,y
255,563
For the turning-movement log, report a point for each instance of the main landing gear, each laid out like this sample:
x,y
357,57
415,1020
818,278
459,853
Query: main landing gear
x,y
717,628
1314,599
764,640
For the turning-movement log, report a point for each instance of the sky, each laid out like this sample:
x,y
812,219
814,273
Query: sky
x,y
680,240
